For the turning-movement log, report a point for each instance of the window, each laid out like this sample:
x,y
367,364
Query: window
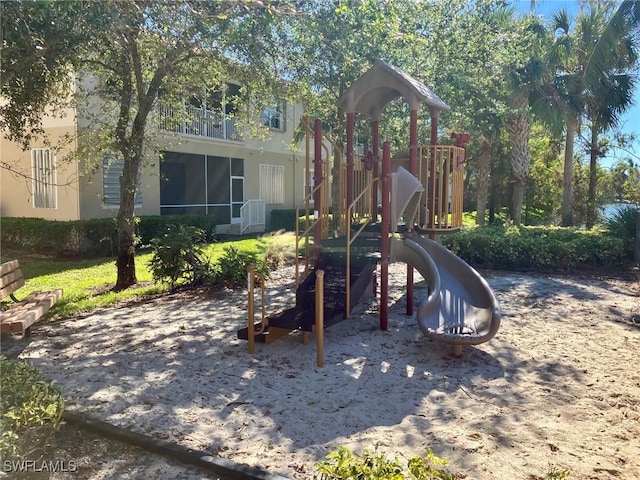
x,y
112,167
201,185
272,183
273,118
43,172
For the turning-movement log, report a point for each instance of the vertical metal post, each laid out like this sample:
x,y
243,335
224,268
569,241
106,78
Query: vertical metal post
x,y
250,287
384,247
317,198
320,318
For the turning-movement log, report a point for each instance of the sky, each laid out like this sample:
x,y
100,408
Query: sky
x,y
630,122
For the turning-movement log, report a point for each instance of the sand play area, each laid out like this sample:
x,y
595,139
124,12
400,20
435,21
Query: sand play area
x,y
558,387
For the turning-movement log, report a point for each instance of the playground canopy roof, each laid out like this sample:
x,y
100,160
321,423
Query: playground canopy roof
x,y
382,84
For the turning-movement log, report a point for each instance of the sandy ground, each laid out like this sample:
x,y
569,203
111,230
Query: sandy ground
x,y
558,387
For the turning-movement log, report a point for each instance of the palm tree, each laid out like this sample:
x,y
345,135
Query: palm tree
x,y
601,45
526,72
603,110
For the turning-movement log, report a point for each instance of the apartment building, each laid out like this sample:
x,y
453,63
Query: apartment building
x,y
208,164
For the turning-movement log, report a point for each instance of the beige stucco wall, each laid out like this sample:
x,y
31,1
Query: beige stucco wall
x,y
80,191
91,189
253,158
16,182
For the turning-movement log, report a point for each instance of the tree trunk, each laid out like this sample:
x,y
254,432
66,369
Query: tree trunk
x,y
517,200
518,128
567,179
126,265
593,177
484,181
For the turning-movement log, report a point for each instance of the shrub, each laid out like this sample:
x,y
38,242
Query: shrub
x,y
341,464
97,237
283,220
231,269
153,226
622,225
178,257
30,409
535,248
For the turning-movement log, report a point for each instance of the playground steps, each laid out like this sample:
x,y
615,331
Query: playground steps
x,y
302,315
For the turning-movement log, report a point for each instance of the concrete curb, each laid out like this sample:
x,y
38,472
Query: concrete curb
x,y
216,465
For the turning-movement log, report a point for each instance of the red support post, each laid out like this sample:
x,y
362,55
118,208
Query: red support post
x,y
375,150
317,177
432,171
385,228
350,128
413,168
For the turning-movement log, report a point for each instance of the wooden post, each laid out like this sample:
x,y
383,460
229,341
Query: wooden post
x,y
250,287
413,156
384,241
637,249
375,150
432,171
319,327
350,133
317,200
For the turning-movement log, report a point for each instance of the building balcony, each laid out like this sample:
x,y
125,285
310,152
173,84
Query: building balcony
x,y
200,122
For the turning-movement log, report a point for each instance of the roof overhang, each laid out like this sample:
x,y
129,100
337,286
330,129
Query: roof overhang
x,y
383,83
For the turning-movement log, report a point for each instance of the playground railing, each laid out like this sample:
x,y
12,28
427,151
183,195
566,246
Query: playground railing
x,y
318,329
352,237
305,233
441,204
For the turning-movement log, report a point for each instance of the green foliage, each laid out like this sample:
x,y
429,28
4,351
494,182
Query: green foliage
x,y
622,225
97,237
30,409
283,219
152,226
341,464
555,474
535,248
178,257
231,268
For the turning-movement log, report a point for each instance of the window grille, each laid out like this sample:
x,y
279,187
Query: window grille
x,y
45,178
112,168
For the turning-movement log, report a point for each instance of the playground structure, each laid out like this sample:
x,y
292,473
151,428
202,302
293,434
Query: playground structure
x,y
423,199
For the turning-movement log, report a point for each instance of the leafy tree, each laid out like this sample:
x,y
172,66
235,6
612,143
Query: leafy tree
x,y
136,50
41,44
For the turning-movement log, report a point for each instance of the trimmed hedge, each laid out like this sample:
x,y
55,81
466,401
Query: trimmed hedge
x,y
94,238
283,220
536,248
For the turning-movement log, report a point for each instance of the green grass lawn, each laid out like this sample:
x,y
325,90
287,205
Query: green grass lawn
x,y
87,283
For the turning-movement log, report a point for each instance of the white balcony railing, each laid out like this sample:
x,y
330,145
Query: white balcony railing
x,y
198,121
252,214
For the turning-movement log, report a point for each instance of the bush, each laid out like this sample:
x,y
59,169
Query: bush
x,y
178,257
622,225
231,269
30,410
97,237
153,226
283,220
535,248
343,465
